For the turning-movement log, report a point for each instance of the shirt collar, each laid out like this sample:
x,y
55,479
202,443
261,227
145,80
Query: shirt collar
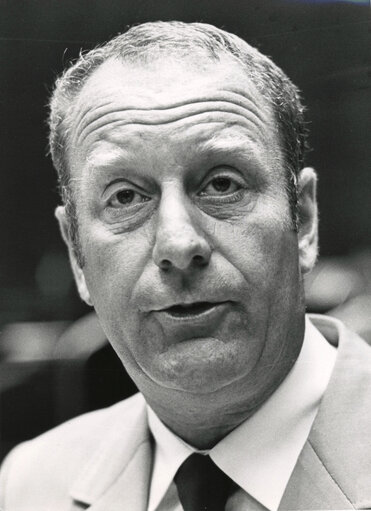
x,y
261,453
170,452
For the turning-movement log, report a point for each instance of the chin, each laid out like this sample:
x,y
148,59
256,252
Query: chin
x,y
200,366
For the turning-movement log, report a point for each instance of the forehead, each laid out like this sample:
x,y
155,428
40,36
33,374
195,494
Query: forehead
x,y
125,103
163,79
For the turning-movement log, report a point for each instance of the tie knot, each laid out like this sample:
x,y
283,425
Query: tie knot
x,y
202,485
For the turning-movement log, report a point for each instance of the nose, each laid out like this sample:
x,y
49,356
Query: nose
x,y
179,243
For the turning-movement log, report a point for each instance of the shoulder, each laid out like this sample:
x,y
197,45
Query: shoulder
x,y
50,462
337,333
340,435
353,361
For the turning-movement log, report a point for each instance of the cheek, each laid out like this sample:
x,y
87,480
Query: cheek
x,y
111,273
114,263
264,253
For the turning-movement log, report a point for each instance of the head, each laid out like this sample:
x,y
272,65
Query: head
x,y
140,44
189,218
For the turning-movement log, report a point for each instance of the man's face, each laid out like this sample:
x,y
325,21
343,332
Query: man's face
x,y
191,261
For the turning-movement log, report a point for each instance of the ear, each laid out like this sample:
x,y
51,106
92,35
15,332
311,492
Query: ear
x,y
307,219
60,214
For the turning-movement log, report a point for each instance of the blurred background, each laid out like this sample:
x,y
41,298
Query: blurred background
x,y
54,360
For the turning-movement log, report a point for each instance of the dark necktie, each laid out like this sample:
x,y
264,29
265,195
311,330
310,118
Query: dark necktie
x,y
201,485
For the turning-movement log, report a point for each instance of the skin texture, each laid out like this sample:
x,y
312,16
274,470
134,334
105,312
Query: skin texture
x,y
180,189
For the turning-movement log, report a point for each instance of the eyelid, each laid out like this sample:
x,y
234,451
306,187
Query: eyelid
x,y
111,188
223,171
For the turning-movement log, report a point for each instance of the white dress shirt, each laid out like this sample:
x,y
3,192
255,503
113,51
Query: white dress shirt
x,y
261,453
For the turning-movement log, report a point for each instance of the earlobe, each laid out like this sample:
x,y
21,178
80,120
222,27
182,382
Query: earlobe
x,y
80,280
308,219
78,273
60,215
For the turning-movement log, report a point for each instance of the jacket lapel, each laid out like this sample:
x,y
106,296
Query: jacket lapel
x,y
130,490
334,468
117,475
311,486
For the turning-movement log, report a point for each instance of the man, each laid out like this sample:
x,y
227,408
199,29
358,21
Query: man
x,y
190,223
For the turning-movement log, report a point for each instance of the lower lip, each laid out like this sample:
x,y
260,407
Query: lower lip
x,y
209,315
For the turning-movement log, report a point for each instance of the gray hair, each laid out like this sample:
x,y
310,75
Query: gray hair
x,y
145,41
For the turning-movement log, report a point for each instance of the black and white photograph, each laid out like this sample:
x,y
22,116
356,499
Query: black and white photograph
x,y
185,262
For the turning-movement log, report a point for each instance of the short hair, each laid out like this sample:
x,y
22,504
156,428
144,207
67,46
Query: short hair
x,y
154,39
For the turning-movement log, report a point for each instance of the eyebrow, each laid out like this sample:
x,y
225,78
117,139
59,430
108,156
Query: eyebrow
x,y
223,143
106,158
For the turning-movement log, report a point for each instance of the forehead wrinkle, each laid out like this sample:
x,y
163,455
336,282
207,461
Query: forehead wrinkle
x,y
235,96
192,119
236,99
114,120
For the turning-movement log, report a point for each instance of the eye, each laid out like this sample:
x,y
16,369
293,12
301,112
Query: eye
x,y
126,205
126,197
221,185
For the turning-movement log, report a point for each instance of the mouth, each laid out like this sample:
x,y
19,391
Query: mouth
x,y
194,319
195,314
191,309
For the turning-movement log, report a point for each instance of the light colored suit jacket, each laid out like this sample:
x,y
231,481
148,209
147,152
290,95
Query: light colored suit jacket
x,y
102,460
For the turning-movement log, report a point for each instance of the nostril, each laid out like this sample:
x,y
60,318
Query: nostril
x,y
165,264
199,260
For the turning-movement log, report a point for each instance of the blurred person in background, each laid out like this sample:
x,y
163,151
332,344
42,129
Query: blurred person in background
x,y
191,221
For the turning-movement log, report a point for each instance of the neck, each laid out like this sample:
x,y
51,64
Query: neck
x,y
203,421
201,435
